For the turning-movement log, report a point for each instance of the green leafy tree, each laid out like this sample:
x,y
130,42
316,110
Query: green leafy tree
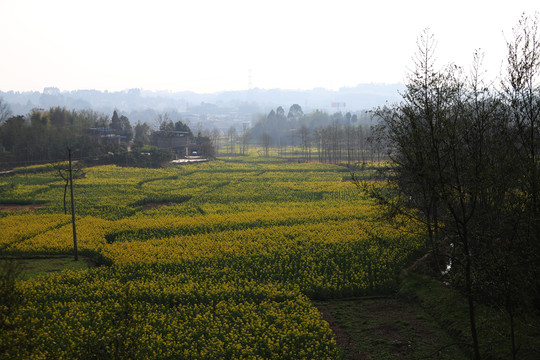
x,y
141,134
167,126
280,112
126,129
116,123
13,131
295,112
180,126
58,117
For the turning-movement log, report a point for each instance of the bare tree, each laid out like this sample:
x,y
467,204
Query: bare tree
x,y
5,111
245,138
163,122
233,135
522,91
305,140
433,152
216,136
266,141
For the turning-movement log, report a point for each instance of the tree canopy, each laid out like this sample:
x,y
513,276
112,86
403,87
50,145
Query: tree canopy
x,y
465,164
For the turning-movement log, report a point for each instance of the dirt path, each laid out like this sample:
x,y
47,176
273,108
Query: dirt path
x,y
341,335
386,328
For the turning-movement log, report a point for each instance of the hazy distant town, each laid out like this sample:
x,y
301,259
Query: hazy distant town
x,y
217,110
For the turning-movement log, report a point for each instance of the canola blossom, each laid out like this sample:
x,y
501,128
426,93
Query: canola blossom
x,y
213,260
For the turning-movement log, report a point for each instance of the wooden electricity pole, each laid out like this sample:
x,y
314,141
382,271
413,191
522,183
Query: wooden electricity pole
x,y
72,208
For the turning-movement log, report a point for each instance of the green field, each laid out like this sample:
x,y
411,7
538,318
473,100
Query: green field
x,y
213,260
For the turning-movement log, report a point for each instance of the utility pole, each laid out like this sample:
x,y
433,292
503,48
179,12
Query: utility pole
x,y
72,208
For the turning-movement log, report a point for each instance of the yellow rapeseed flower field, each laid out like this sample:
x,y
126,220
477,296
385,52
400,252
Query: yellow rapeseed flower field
x,y
207,261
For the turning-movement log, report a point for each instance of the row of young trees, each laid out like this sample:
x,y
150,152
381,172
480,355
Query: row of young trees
x,y
316,136
466,157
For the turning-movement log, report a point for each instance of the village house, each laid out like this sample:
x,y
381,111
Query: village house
x,y
177,141
107,135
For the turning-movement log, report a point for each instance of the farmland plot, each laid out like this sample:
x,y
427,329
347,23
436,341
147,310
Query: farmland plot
x,y
212,260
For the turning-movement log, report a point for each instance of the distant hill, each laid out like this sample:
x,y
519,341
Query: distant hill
x,y
361,97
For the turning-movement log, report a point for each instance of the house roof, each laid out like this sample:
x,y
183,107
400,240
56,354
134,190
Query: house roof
x,y
170,132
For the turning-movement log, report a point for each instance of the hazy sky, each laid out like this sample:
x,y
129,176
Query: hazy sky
x,y
216,45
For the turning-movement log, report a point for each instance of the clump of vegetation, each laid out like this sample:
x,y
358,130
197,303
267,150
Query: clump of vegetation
x,y
465,164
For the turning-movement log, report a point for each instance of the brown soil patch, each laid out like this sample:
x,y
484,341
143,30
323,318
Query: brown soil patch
x,y
19,207
374,328
341,335
400,309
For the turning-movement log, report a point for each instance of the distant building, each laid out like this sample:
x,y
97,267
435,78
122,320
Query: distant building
x,y
177,141
106,135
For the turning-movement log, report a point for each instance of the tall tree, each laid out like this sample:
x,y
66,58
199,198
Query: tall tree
x,y
266,141
215,136
58,117
180,126
245,138
142,134
125,128
280,112
116,123
295,112
163,122
13,131
5,111
305,140
233,135
466,156
426,133
521,94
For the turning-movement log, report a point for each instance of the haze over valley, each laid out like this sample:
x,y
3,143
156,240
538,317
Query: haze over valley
x,y
220,110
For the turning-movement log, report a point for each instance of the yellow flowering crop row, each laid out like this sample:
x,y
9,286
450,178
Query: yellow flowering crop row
x,y
112,192
324,258
19,227
102,314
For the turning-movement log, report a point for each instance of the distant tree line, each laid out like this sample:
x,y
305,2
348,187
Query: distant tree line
x,y
45,135
466,164
317,136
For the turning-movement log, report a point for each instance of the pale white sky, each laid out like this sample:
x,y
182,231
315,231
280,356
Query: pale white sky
x,y
214,45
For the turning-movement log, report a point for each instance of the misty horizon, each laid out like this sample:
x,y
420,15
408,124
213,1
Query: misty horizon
x,y
57,89
226,107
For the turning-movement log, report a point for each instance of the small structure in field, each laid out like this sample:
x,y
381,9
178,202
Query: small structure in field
x,y
177,141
